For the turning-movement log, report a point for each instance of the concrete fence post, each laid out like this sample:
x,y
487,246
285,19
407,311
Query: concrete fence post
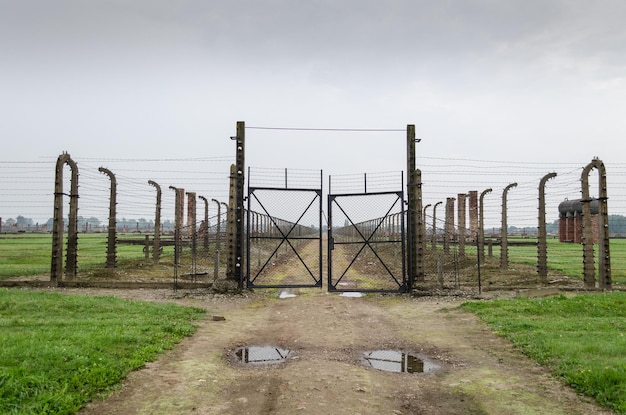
x,y
481,226
156,244
112,231
542,237
71,266
504,233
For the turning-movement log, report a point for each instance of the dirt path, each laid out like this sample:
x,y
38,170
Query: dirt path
x,y
480,373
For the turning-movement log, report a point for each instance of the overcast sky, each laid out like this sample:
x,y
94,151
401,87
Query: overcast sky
x,y
513,81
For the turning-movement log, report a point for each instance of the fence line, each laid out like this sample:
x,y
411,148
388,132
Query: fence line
x,y
27,187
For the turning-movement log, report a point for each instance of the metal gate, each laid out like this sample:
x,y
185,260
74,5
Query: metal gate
x,y
284,229
366,248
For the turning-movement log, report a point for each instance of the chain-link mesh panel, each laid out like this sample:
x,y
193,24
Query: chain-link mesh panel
x,y
200,259
450,258
366,242
284,238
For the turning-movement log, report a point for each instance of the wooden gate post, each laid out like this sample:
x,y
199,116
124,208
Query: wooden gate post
x,y
234,271
413,216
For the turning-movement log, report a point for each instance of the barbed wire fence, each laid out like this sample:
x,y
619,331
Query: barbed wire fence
x,y
450,265
27,192
26,210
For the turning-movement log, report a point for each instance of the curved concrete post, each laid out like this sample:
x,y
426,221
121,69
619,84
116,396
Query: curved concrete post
x,y
504,233
604,257
226,209
449,225
461,217
156,247
481,226
434,246
423,221
588,265
542,243
56,265
205,227
112,234
218,225
178,222
192,229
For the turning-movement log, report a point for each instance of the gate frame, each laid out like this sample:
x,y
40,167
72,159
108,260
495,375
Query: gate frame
x,y
285,236
405,285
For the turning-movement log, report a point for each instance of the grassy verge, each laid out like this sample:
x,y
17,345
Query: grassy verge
x,y
60,351
567,258
581,339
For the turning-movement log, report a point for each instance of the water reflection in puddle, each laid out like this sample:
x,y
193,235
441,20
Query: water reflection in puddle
x,y
261,355
398,362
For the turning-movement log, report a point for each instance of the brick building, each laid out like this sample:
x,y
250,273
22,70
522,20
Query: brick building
x,y
571,220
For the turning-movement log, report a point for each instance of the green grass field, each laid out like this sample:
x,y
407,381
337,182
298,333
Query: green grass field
x,y
567,258
581,339
30,254
60,351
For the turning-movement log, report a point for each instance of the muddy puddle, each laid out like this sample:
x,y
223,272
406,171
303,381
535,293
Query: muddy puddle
x,y
261,355
397,361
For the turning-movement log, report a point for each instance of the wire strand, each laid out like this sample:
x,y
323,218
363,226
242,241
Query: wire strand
x,y
328,129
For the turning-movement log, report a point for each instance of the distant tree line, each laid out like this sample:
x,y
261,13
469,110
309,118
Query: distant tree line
x,y
90,224
617,226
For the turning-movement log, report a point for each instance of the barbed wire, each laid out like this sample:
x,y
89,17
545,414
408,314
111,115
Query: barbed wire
x,y
27,187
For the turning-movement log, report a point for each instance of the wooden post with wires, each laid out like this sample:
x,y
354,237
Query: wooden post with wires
x,y
414,212
419,246
235,217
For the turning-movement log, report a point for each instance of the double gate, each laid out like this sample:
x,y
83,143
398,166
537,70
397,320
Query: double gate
x,y
285,236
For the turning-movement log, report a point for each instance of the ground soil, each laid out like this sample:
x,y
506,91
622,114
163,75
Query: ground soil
x,y
480,373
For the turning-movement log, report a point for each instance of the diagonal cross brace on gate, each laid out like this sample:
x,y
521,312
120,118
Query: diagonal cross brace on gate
x,y
285,236
387,279
366,241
